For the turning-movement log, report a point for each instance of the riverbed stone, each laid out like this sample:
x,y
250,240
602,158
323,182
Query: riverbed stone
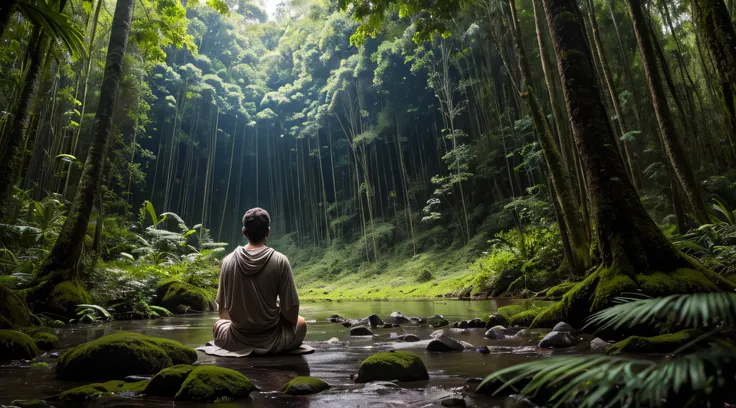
x,y
466,345
347,324
336,319
523,334
454,402
437,333
476,323
408,338
178,297
169,380
398,318
360,331
496,333
496,319
558,339
437,321
598,345
372,320
121,354
65,297
462,324
208,383
395,365
444,344
333,341
97,390
15,345
564,327
455,330
304,385
36,403
45,341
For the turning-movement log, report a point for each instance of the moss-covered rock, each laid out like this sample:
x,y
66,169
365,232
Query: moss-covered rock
x,y
303,385
214,384
120,354
524,318
13,311
664,343
169,380
15,345
36,403
556,292
179,297
65,297
510,310
389,366
93,391
45,341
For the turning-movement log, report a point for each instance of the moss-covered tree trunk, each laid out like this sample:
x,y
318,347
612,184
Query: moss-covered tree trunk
x,y
67,251
714,25
11,152
569,207
670,141
635,254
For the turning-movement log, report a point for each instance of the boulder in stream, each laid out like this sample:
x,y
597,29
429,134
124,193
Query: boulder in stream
x,y
437,321
598,345
444,344
121,354
561,336
303,385
91,392
462,324
178,297
437,333
372,320
496,319
15,345
496,333
208,383
476,323
408,338
360,331
45,341
169,380
389,366
398,318
13,312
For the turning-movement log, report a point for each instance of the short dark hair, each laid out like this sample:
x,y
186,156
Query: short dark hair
x,y
256,222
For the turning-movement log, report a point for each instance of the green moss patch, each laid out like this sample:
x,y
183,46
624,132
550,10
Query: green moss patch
x,y
556,292
93,391
13,311
15,345
664,343
524,318
303,385
389,366
178,297
510,310
214,384
120,354
66,296
45,341
169,380
36,403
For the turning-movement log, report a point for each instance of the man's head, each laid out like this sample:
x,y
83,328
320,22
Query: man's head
x,y
256,225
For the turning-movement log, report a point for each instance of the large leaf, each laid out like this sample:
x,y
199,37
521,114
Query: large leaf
x,y
54,24
151,211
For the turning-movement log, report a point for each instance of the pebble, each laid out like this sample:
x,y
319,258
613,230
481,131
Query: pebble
x,y
360,331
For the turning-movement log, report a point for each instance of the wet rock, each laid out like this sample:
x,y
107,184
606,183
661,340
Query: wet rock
x,y
467,345
558,339
418,320
564,327
437,333
94,391
121,354
333,340
15,345
54,354
474,380
336,319
372,320
388,366
207,383
476,324
496,319
523,334
136,378
31,404
484,350
444,344
304,386
173,294
398,318
380,387
496,333
437,321
169,380
347,324
598,345
454,402
463,324
454,330
360,331
45,341
65,297
408,338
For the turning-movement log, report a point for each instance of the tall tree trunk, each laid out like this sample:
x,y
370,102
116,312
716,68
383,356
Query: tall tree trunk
x,y
67,251
714,26
634,252
672,145
11,154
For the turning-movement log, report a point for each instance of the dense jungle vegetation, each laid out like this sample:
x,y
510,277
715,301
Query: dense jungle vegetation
x,y
575,150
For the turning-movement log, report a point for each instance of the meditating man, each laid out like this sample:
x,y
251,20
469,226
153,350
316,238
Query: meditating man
x,y
257,299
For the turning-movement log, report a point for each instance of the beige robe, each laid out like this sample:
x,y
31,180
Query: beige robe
x,y
254,287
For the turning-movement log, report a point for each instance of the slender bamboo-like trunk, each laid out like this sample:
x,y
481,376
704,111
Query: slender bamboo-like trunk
x,y
67,251
229,177
670,140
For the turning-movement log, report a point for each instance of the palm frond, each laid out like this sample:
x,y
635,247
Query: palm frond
x,y
54,24
96,308
691,310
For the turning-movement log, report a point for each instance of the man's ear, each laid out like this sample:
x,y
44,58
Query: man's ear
x,y
244,234
269,232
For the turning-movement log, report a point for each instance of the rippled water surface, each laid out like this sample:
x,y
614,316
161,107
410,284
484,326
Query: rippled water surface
x,y
334,363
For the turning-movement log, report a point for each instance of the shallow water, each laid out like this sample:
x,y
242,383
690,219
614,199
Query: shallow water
x,y
334,363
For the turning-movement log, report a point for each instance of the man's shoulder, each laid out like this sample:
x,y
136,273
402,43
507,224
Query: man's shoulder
x,y
279,257
229,257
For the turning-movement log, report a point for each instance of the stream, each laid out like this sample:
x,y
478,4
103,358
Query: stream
x,y
334,363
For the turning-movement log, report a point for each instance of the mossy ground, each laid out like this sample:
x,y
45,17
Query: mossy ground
x,y
13,311
524,318
214,384
388,366
304,385
93,391
664,343
120,354
15,345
